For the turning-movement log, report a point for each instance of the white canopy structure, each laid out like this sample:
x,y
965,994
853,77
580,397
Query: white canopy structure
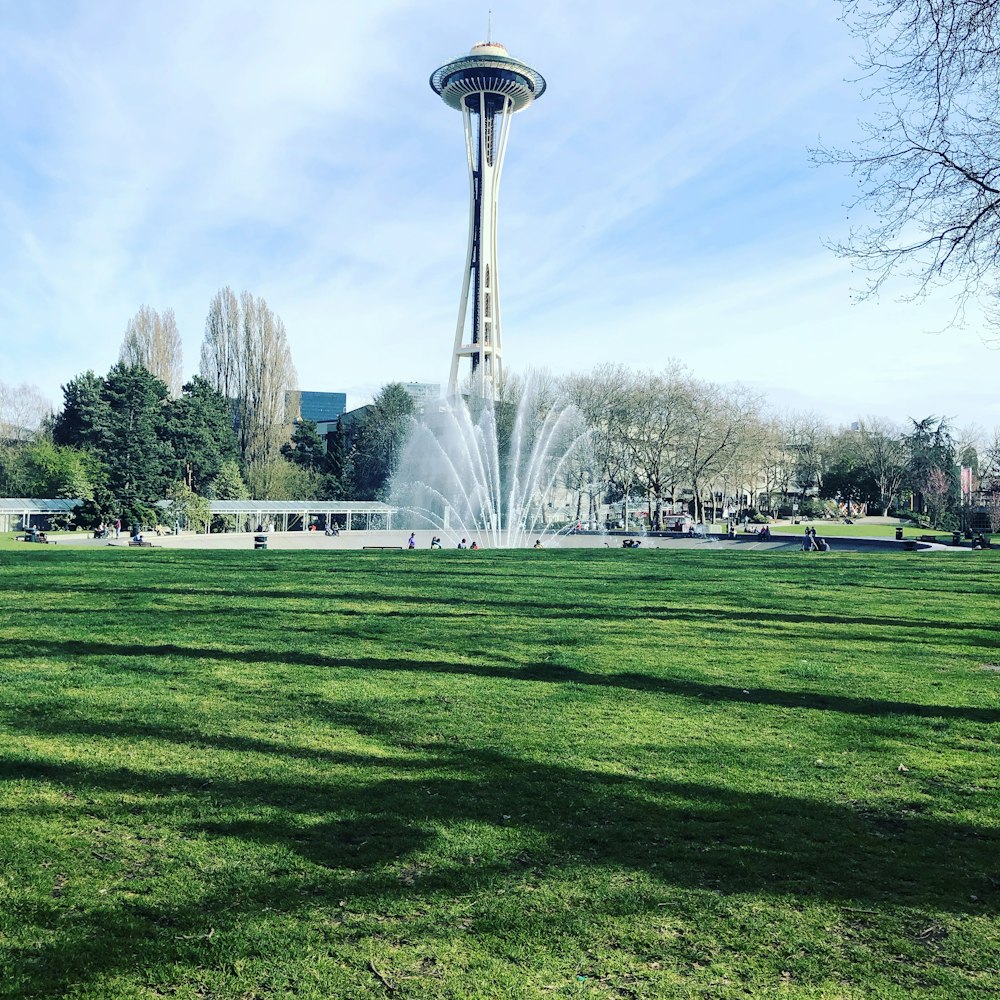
x,y
248,515
292,515
16,512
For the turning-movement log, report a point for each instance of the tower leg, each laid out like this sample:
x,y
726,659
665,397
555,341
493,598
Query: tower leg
x,y
487,125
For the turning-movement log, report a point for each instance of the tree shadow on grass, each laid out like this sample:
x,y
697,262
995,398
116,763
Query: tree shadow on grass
x,y
358,830
547,673
580,605
683,833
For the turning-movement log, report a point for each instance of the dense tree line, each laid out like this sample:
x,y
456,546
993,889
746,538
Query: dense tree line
x,y
137,443
126,440
657,443
667,441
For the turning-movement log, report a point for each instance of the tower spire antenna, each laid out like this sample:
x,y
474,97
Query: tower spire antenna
x,y
489,26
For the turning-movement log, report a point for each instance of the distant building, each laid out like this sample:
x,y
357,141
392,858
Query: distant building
x,y
321,407
426,396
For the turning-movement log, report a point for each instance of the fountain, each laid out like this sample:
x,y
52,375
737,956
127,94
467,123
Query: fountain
x,y
492,472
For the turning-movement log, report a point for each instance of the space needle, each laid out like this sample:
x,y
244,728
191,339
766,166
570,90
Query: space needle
x,y
487,86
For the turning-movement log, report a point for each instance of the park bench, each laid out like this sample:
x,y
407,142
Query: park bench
x,y
395,548
140,545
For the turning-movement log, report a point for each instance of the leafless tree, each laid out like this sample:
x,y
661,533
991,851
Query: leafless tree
x,y
929,163
752,470
607,400
22,410
659,403
270,380
718,421
221,348
807,438
245,355
775,464
884,454
152,340
665,433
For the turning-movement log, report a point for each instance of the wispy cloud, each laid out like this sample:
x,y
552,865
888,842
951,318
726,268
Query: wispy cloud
x,y
657,202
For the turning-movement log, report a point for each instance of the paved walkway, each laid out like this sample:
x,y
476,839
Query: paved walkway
x,y
355,540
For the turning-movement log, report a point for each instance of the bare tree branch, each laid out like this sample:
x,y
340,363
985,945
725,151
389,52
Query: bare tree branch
x,y
929,164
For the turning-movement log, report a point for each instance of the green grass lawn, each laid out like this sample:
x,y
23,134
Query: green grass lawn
x,y
9,539
580,773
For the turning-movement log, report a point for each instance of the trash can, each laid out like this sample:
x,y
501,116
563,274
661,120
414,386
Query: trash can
x,y
899,534
956,537
260,541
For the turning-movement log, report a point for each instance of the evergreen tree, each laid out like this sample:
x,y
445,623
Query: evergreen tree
x,y
199,426
339,480
932,456
228,485
846,477
138,457
306,447
379,441
85,419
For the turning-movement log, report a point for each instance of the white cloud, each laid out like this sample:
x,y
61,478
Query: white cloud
x,y
657,202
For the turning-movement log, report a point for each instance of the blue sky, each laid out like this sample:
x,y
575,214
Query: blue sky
x,y
658,202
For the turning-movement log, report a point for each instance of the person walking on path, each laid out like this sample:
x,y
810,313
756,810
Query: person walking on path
x,y
412,543
118,527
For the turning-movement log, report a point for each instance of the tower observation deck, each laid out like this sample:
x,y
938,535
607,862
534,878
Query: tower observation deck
x,y
487,86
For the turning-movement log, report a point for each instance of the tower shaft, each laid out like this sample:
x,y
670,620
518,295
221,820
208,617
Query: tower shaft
x,y
487,124
488,86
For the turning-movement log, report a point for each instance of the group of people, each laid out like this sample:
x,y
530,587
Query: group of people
x,y
411,542
813,544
